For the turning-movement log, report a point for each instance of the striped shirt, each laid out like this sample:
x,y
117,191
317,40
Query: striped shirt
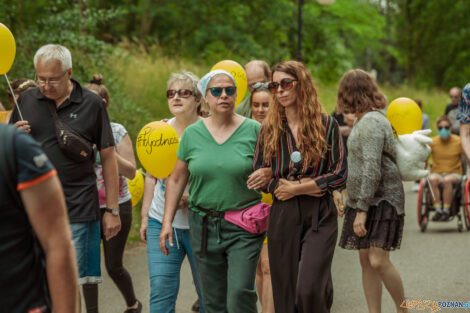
x,y
330,172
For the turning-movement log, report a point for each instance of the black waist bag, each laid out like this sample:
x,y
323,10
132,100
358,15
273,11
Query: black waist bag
x,y
72,144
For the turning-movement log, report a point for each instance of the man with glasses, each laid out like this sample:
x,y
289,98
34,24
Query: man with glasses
x,y
85,113
446,167
257,74
452,109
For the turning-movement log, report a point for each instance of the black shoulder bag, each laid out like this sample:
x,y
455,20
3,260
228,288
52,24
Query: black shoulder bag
x,y
72,144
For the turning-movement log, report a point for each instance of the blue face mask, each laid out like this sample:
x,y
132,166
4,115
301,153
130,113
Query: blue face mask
x,y
444,133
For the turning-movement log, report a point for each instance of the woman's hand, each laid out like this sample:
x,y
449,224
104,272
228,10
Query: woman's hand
x,y
285,189
359,225
183,201
259,179
165,234
338,200
143,229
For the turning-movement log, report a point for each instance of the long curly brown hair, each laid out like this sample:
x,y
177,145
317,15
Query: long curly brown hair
x,y
358,93
311,132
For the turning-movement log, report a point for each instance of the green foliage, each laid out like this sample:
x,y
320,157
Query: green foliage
x,y
434,40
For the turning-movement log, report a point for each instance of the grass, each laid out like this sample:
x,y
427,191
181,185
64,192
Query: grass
x,y
138,86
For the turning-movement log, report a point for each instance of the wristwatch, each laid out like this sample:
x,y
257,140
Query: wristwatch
x,y
113,211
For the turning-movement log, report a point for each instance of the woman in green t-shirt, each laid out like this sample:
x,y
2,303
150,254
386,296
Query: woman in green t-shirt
x,y
216,155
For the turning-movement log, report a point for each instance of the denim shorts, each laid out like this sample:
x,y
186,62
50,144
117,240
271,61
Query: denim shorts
x,y
86,240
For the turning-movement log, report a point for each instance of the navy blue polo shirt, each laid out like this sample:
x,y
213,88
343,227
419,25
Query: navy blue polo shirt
x,y
84,112
23,275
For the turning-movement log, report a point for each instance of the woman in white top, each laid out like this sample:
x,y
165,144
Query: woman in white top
x,y
114,248
184,102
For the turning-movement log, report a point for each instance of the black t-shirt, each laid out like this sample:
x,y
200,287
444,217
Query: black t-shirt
x,y
22,271
85,112
340,119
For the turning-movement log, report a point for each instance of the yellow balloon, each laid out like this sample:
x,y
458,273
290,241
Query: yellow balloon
x,y
7,49
267,198
405,116
136,187
3,116
238,73
156,147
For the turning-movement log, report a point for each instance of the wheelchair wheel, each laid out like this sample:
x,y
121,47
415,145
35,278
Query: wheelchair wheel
x,y
466,206
423,203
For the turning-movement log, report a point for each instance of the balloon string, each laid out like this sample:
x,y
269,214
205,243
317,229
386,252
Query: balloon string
x,y
14,98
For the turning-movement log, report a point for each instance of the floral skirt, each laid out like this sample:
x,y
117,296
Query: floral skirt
x,y
384,229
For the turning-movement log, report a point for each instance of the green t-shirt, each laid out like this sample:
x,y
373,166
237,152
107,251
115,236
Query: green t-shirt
x,y
218,172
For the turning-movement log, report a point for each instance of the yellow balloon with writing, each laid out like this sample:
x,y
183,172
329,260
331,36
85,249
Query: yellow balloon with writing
x,y
405,116
156,146
136,187
267,198
238,73
7,49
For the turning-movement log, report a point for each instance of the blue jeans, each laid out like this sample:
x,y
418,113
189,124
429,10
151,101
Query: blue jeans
x,y
165,270
86,240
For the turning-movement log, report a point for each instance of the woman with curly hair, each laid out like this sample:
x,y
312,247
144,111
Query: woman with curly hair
x,y
304,149
374,217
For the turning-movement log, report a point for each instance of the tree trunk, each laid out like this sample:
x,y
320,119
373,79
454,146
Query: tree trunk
x,y
410,66
82,5
146,22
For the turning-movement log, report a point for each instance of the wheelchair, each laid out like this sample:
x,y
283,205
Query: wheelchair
x,y
459,209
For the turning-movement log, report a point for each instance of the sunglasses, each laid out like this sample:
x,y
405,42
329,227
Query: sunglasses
x,y
182,93
260,85
447,127
217,91
285,83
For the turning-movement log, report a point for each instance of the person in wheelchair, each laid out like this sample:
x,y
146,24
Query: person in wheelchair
x,y
446,169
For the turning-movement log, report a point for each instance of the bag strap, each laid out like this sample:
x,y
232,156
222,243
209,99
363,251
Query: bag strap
x,y
7,153
59,124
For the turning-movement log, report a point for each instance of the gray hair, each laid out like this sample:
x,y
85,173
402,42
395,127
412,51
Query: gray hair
x,y
54,52
187,78
192,80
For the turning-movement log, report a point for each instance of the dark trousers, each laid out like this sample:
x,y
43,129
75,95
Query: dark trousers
x,y
302,238
113,253
227,271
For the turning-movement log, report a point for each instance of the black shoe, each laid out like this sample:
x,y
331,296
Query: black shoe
x,y
195,307
444,217
138,310
437,217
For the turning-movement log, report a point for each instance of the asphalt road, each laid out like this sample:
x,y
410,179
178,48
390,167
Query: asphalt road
x,y
434,265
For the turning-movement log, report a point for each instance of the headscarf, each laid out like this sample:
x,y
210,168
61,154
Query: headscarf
x,y
205,80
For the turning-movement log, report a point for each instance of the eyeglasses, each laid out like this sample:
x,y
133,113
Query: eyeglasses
x,y
455,97
260,85
286,84
182,93
446,127
52,82
217,91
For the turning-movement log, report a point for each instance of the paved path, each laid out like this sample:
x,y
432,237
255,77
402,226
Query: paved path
x,y
434,265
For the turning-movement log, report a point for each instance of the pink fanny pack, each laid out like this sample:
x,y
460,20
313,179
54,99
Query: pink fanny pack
x,y
254,219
